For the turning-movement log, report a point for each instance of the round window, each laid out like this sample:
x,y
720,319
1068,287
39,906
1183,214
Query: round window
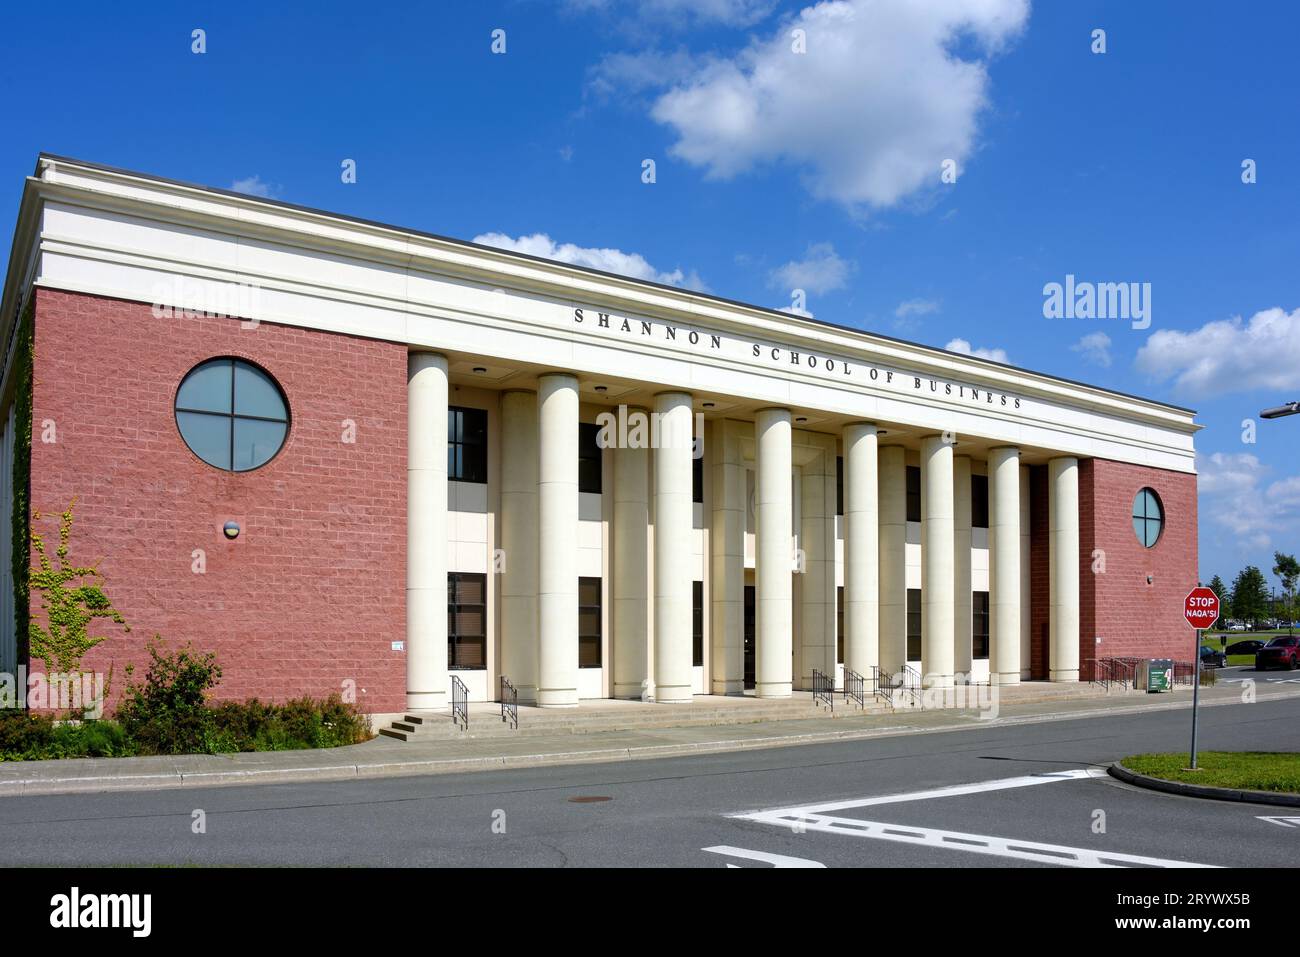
x,y
231,414
1148,517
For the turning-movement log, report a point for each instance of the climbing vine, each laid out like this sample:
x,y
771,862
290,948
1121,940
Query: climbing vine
x,y
72,597
20,516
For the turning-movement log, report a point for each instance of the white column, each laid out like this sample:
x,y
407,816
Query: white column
x,y
727,544
1026,583
892,566
1004,566
816,583
937,574
673,580
426,531
1063,551
773,556
557,509
631,568
861,549
963,601
519,541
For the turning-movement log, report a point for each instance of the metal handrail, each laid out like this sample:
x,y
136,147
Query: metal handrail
x,y
823,689
882,685
459,703
910,683
855,687
509,703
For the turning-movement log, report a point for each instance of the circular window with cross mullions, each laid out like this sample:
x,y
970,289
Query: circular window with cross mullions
x,y
1148,517
232,414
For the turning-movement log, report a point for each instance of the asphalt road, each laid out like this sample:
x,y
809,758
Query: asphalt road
x,y
834,805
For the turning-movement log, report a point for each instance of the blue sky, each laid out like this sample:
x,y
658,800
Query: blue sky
x,y
773,171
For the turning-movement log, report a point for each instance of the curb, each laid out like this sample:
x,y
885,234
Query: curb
x,y
357,770
1278,799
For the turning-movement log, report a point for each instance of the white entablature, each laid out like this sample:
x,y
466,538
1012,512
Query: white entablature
x,y
106,232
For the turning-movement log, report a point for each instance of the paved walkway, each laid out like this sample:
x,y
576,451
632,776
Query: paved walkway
x,y
384,757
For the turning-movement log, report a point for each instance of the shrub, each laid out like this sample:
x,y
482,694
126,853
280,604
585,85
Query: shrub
x,y
24,735
32,737
168,714
300,723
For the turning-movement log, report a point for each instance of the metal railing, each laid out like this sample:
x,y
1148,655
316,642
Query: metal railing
x,y
509,703
823,689
1116,671
909,684
882,685
855,687
459,703
1185,672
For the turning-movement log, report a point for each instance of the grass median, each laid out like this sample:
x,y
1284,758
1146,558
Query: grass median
x,y
1243,770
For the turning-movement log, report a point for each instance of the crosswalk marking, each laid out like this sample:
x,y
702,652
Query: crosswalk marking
x,y
819,817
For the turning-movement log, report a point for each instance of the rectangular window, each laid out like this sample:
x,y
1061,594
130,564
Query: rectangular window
x,y
466,445
914,624
466,621
588,622
979,501
839,625
589,458
839,485
980,624
697,480
697,623
913,493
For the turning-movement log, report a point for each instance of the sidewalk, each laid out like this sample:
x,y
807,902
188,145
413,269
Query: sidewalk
x,y
384,757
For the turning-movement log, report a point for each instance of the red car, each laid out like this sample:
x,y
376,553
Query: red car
x,y
1281,652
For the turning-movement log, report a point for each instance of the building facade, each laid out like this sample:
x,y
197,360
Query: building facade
x,y
349,457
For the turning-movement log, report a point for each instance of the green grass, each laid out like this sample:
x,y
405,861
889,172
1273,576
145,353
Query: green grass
x,y
1246,770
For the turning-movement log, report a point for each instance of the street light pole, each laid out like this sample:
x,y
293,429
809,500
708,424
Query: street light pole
x,y
1277,412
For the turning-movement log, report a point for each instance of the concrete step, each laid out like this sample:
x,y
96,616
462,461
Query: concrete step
x,y
486,723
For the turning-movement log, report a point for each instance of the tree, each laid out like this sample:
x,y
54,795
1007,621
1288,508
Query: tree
x,y
1225,600
1250,595
1287,570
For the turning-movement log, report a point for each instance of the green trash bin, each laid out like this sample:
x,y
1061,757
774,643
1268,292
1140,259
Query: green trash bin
x,y
1160,675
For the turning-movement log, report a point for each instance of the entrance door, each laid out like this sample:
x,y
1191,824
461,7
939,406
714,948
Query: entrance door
x,y
749,636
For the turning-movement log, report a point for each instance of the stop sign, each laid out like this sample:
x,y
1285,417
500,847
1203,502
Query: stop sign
x,y
1201,607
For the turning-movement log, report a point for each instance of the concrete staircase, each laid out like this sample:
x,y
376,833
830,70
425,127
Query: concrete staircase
x,y
485,717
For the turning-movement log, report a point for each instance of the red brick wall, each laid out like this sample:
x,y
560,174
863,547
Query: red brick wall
x,y
1132,617
312,593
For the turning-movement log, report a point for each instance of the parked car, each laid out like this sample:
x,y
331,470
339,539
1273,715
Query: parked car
x,y
1211,657
1247,646
1237,626
1281,652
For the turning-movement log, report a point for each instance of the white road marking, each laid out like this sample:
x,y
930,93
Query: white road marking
x,y
776,860
1000,784
815,817
1282,821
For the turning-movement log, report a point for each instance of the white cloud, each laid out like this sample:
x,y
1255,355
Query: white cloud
x,y
916,307
608,260
869,113
681,13
964,347
821,270
254,186
638,72
1095,348
1228,355
1234,480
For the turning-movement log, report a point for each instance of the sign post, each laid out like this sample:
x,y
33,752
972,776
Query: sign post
x,y
1201,609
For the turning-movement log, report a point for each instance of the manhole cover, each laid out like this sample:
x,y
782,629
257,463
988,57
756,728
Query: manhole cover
x,y
588,799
